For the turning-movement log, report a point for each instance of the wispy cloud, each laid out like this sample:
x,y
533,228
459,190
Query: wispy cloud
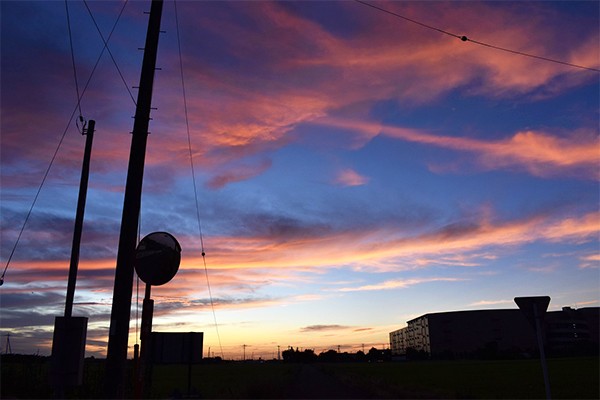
x,y
583,303
398,284
491,302
238,174
305,72
538,153
378,248
590,261
349,177
321,328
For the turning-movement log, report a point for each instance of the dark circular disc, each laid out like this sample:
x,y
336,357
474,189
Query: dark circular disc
x,y
157,258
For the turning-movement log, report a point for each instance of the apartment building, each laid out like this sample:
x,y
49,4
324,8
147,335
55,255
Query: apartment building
x,y
464,332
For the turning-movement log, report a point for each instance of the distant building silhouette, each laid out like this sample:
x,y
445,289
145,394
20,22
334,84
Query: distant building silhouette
x,y
569,328
463,334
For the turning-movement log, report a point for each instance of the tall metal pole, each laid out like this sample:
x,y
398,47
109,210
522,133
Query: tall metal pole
x,y
116,356
85,173
538,329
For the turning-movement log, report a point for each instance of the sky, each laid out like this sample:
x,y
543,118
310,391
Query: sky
x,y
353,170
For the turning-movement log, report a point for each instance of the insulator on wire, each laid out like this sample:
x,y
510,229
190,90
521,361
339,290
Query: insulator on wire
x,y
83,123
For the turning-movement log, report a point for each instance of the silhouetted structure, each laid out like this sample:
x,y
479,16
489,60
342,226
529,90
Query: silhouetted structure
x,y
175,348
571,329
488,333
118,334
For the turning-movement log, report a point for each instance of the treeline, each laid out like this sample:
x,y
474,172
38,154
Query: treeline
x,y
332,356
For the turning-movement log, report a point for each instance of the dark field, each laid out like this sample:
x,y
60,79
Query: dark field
x,y
570,378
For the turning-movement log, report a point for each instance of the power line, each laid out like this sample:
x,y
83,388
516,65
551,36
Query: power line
x,y
465,39
106,44
73,57
77,107
187,123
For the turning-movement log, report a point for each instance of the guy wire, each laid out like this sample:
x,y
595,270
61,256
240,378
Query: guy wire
x,y
194,179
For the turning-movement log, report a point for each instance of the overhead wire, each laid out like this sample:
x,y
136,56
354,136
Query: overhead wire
x,y
466,39
187,123
108,49
62,138
73,57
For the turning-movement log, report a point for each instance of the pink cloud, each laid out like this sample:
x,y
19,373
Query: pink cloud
x,y
238,174
301,72
397,284
491,302
349,177
378,250
539,153
231,119
590,261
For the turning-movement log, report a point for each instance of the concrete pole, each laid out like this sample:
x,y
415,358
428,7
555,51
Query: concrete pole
x,y
116,357
85,173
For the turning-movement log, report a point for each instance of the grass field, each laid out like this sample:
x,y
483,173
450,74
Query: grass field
x,y
225,381
570,378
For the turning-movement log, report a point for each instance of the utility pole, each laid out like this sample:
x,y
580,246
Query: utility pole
x,y
534,309
244,352
116,357
68,341
85,173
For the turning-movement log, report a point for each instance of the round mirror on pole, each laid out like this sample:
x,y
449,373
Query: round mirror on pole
x,y
157,258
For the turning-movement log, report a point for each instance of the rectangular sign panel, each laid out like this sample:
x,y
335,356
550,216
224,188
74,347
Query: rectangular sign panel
x,y
176,347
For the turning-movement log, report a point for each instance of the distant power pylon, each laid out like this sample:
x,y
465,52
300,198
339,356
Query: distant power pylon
x,y
8,350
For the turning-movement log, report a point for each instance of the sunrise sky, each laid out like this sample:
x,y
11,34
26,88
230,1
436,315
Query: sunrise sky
x,y
354,170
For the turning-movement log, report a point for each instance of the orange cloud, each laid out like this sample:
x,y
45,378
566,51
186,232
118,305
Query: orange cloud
x,y
539,153
379,250
302,71
349,177
491,302
243,264
587,302
397,284
238,174
318,72
591,261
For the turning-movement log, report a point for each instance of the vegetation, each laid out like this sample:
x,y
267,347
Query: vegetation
x,y
309,356
26,377
232,380
570,377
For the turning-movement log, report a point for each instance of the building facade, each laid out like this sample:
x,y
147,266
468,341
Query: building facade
x,y
461,333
